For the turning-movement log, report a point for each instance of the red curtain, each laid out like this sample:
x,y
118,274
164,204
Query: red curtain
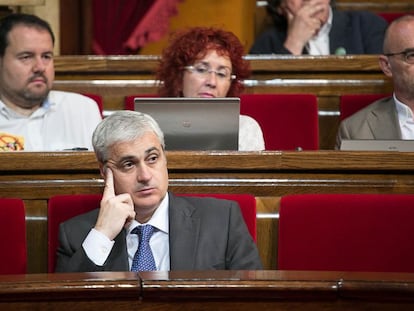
x,y
124,26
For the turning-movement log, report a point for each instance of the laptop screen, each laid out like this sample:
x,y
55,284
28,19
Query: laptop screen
x,y
377,145
195,123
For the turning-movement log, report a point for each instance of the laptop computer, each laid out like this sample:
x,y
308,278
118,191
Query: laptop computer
x,y
377,145
195,123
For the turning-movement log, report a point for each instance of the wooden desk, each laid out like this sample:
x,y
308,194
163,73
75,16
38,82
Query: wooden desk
x,y
36,176
328,77
208,290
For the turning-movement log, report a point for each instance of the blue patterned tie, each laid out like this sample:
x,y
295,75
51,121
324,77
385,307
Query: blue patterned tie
x,y
143,259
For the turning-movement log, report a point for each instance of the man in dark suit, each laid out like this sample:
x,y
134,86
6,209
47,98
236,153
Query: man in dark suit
x,y
189,233
315,27
392,117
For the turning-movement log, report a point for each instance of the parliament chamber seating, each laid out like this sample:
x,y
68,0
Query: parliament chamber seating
x,y
351,103
13,259
346,232
288,121
63,207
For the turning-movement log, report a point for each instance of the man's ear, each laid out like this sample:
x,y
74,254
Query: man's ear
x,y
102,169
385,65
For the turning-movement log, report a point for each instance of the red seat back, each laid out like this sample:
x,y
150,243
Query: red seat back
x,y
61,208
346,232
390,16
247,203
13,258
351,103
98,99
129,100
288,121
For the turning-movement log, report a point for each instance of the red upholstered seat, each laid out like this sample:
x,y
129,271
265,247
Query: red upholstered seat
x,y
247,203
61,208
390,16
288,121
98,99
346,232
129,100
13,259
351,103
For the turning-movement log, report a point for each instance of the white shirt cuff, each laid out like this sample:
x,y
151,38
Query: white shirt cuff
x,y
97,247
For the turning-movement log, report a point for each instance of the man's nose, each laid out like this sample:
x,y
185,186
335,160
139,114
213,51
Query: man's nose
x,y
144,173
39,64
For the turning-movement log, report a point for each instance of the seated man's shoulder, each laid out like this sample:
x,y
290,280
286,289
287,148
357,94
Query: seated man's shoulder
x,y
365,17
88,217
378,105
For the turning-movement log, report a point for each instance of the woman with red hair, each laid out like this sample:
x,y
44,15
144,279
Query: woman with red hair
x,y
208,62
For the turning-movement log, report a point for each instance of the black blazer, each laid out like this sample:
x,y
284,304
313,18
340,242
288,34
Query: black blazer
x,y
205,234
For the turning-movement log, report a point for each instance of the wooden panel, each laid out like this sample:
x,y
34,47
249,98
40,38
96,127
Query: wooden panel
x,y
208,290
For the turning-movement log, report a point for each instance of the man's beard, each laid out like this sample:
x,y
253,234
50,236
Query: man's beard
x,y
32,99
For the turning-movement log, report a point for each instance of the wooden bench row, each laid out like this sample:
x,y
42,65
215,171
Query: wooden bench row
x,y
208,290
36,176
328,77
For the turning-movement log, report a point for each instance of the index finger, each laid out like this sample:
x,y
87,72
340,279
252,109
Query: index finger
x,y
109,190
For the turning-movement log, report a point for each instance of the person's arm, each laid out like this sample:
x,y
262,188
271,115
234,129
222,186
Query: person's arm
x,y
77,253
71,256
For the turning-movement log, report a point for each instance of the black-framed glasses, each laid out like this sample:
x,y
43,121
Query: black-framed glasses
x,y
408,55
203,71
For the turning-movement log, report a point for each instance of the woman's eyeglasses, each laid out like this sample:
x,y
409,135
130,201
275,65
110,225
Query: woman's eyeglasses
x,y
203,71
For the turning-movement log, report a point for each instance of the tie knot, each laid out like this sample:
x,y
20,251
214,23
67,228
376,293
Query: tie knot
x,y
144,232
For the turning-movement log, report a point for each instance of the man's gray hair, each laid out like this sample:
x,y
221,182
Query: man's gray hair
x,y
123,126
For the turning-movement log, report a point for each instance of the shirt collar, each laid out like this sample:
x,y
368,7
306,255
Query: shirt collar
x,y
45,107
158,220
405,114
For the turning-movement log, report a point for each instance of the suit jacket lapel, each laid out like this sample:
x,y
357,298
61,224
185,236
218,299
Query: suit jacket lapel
x,y
184,232
383,121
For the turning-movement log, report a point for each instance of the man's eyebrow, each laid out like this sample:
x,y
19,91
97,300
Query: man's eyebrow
x,y
149,150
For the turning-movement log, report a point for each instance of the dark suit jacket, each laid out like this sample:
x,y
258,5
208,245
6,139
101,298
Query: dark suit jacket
x,y
205,234
358,32
378,120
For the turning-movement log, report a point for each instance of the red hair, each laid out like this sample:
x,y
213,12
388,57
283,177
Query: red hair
x,y
190,45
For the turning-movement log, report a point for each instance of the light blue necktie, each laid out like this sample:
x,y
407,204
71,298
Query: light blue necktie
x,y
143,259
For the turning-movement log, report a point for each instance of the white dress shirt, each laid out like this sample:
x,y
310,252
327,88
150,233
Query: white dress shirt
x,y
405,118
64,121
97,246
319,44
